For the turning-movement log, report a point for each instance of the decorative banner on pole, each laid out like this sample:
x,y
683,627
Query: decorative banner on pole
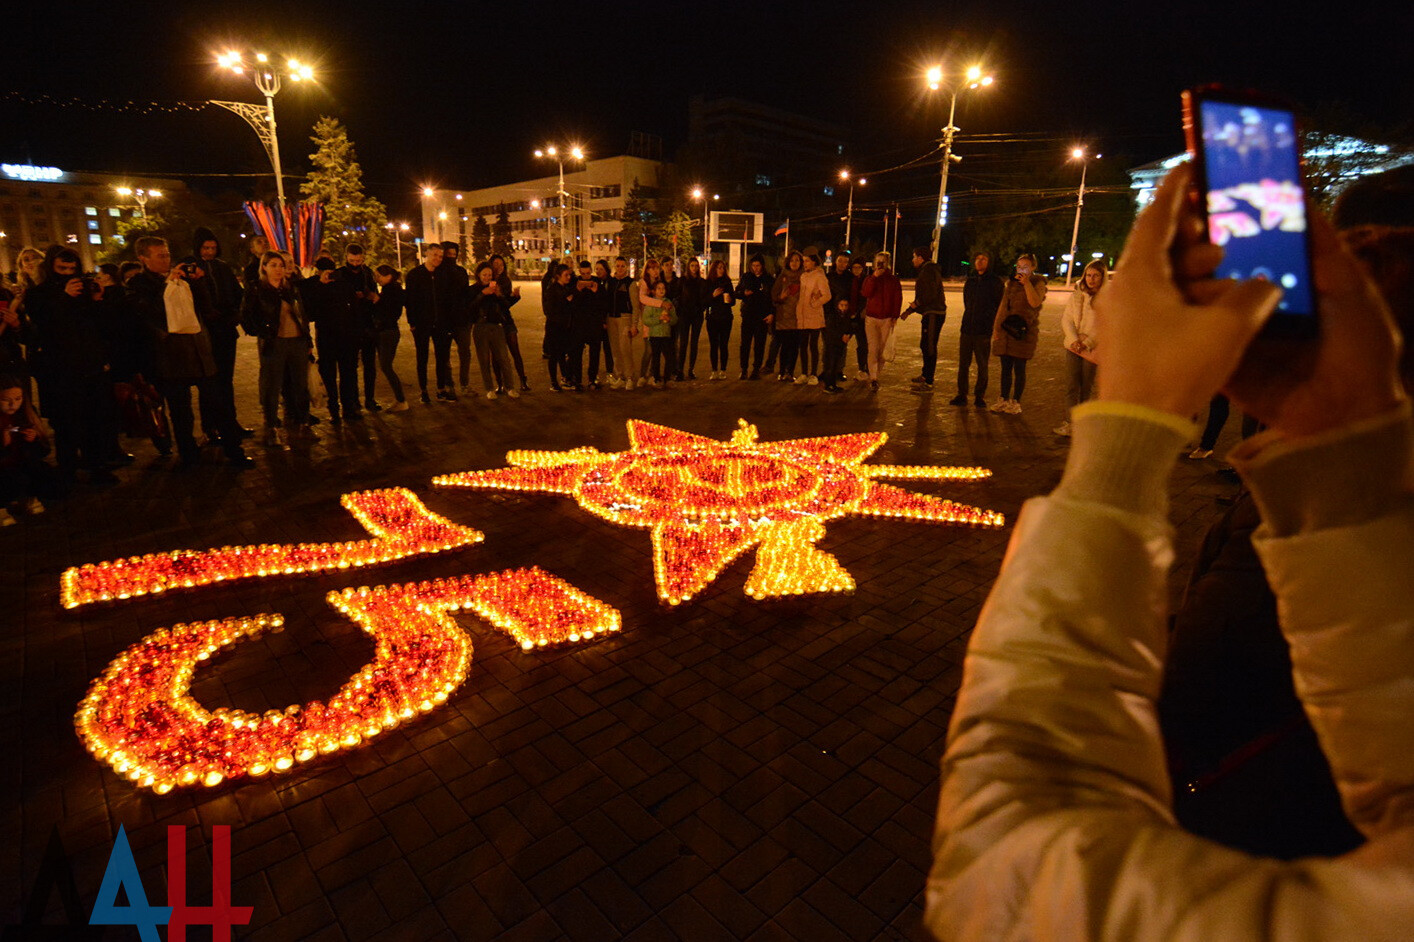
x,y
301,233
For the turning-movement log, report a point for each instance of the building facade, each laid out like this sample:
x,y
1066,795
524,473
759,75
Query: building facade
x,y
44,206
588,226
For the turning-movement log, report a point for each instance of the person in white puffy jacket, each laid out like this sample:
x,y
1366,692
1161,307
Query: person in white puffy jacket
x,y
1080,336
1054,819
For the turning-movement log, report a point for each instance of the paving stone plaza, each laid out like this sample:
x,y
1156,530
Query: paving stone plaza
x,y
725,768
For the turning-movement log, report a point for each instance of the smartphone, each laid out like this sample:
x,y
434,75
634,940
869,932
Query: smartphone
x,y
1246,152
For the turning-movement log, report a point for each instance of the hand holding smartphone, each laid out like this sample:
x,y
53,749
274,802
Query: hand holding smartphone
x,y
1249,190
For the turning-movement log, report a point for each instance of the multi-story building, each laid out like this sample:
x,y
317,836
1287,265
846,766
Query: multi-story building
x,y
590,220
44,206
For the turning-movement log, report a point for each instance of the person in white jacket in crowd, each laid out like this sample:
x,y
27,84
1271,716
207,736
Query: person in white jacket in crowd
x,y
1078,331
1054,819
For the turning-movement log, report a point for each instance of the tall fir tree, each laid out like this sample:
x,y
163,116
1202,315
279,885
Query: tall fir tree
x,y
501,236
640,220
480,239
337,182
675,235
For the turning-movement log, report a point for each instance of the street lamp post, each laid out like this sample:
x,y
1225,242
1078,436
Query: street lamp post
x,y
556,154
849,213
700,194
1080,155
262,118
140,196
975,80
398,231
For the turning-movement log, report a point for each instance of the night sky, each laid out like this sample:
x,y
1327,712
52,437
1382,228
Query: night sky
x,y
459,94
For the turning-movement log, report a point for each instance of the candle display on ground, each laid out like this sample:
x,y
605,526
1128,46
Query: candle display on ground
x,y
401,526
141,719
706,502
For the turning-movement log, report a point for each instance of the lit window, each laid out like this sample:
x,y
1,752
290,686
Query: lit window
x,y
90,210
829,191
93,225
115,212
72,238
95,239
763,180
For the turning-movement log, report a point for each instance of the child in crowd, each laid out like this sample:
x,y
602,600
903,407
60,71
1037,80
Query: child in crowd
x,y
658,322
839,325
23,445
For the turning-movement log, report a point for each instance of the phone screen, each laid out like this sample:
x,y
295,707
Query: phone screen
x,y
1256,207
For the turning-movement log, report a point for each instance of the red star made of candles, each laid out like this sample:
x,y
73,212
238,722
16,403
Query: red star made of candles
x,y
706,501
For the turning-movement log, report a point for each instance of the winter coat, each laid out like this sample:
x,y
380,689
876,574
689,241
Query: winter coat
x,y
928,290
260,310
1078,319
692,299
981,294
559,302
67,334
388,309
660,320
1015,302
490,308
177,357
883,295
810,311
785,295
436,300
1054,818
755,294
719,307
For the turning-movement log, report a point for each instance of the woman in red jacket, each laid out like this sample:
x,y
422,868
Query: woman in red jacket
x,y
883,304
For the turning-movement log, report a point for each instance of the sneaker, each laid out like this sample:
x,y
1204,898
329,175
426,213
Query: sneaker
x,y
1014,407
980,403
425,398
1063,430
372,406
691,375
524,386
958,401
1199,453
920,381
490,394
832,388
514,394
782,378
33,507
1001,405
6,519
812,380
799,380
442,395
555,387
400,406
451,395
271,436
642,381
467,390
862,375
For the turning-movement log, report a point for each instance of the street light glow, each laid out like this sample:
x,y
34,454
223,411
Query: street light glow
x,y
577,152
261,57
863,180
987,80
427,191
1077,153
123,190
442,215
974,73
157,193
697,192
844,174
935,77
552,151
404,226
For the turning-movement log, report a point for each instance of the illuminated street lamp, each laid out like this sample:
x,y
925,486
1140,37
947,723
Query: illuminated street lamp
x,y
974,79
849,213
267,77
558,155
140,196
700,194
398,231
1080,155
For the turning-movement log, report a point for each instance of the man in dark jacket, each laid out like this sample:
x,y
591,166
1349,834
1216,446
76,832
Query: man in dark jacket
x,y
357,279
841,321
928,301
420,296
176,317
754,289
458,326
226,295
981,296
333,309
257,247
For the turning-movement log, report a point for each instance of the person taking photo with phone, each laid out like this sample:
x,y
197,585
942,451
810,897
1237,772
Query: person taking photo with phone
x,y
1015,330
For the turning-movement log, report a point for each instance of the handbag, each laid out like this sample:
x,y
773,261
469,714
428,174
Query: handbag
x,y
140,409
1015,327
